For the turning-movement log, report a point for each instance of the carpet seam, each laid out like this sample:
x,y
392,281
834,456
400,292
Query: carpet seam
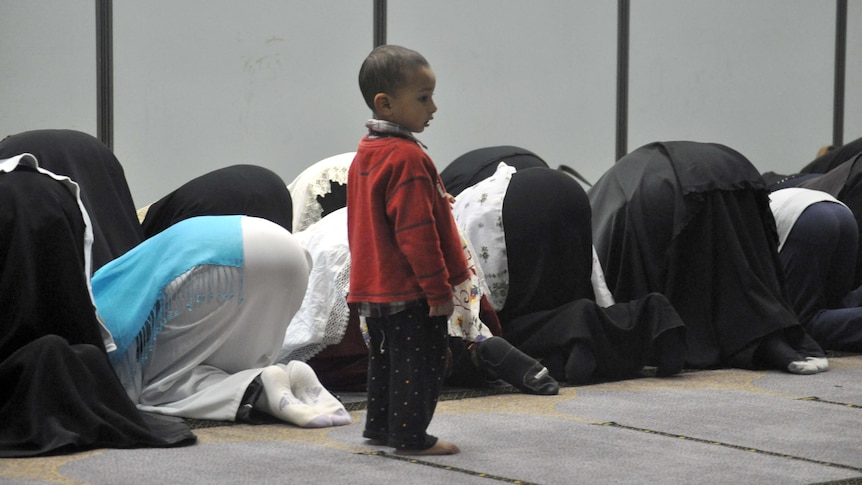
x,y
729,445
465,471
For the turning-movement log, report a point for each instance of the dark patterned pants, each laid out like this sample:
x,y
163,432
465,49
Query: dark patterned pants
x,y
406,369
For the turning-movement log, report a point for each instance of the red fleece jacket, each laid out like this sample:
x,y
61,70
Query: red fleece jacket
x,y
404,244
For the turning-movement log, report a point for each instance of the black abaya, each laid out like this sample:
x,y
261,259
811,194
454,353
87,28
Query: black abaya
x,y
60,393
692,221
550,311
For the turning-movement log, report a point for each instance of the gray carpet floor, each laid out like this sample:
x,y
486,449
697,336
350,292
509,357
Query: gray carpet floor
x,y
715,427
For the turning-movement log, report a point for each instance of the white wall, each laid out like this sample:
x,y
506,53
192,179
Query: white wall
x,y
202,84
48,62
757,76
541,75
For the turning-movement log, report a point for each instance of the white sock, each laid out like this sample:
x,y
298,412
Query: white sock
x,y
821,362
802,367
293,393
311,392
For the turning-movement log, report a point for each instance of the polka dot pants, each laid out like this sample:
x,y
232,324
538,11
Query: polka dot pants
x,y
406,368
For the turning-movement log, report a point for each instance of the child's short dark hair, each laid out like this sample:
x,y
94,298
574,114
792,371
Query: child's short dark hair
x,y
385,70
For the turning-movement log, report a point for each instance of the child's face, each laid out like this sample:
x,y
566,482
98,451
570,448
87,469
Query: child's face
x,y
413,106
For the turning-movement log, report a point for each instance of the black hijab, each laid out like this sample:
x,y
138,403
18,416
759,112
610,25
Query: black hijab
x,y
236,190
479,164
97,171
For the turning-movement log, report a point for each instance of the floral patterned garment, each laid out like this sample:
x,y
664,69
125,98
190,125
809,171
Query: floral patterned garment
x,y
465,322
479,214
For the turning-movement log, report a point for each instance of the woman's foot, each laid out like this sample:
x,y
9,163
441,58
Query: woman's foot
x,y
802,367
811,365
440,448
498,358
292,393
821,362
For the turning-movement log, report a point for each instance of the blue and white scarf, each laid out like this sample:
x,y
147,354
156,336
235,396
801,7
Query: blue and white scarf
x,y
130,291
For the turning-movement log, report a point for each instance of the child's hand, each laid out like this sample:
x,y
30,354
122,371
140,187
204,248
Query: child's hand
x,y
450,198
443,310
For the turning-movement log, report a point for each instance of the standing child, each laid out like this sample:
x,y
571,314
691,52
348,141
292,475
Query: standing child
x,y
406,253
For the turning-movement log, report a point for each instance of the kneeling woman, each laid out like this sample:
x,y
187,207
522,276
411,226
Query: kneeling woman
x,y
818,241
199,311
531,228
692,221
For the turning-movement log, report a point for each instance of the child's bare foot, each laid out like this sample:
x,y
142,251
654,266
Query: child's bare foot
x,y
439,448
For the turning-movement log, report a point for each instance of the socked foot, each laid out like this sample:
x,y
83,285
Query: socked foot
x,y
439,448
821,363
811,365
293,393
497,358
802,367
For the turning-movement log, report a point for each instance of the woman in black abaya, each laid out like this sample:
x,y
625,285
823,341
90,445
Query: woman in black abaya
x,y
692,221
533,227
60,393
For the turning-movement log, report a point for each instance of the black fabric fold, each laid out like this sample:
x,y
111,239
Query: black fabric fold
x,y
621,339
62,398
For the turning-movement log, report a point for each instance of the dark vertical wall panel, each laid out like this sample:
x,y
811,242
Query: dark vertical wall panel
x,y
104,73
622,77
840,68
379,22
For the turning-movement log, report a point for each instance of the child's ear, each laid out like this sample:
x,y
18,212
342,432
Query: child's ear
x,y
381,103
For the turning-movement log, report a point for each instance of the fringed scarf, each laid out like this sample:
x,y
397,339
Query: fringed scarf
x,y
130,291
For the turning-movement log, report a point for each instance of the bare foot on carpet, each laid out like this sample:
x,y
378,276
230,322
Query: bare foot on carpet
x,y
439,448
